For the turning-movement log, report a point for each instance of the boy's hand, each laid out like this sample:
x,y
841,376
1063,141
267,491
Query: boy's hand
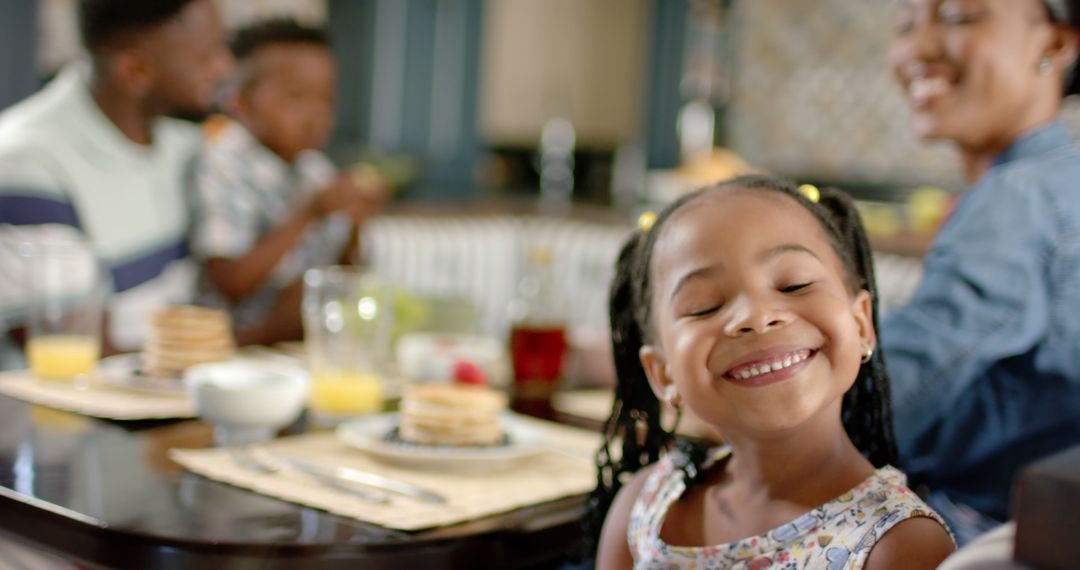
x,y
358,197
368,191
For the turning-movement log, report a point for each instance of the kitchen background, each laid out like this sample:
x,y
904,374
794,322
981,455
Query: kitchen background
x,y
460,91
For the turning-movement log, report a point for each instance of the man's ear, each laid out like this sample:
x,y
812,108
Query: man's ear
x,y
133,71
863,310
656,369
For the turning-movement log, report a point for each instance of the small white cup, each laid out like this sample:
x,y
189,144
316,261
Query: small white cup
x,y
246,401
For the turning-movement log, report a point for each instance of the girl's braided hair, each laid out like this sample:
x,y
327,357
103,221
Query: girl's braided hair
x,y
633,436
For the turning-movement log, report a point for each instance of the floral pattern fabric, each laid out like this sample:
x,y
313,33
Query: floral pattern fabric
x,y
837,535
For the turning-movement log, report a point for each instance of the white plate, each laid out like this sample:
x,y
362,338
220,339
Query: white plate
x,y
125,371
369,433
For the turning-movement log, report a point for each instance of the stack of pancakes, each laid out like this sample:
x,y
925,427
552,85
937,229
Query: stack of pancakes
x,y
452,414
184,336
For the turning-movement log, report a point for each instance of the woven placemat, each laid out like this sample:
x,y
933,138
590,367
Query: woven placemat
x,y
564,468
95,400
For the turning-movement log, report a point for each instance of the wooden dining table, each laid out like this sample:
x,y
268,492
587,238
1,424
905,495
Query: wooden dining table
x,y
104,494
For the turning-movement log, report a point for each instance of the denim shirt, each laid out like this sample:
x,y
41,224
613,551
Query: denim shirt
x,y
985,360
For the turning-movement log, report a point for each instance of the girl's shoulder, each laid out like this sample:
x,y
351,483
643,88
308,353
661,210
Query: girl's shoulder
x,y
876,507
876,504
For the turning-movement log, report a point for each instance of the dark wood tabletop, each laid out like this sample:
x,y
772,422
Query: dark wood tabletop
x,y
105,494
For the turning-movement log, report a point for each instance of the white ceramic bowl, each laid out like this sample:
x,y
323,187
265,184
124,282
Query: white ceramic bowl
x,y
243,395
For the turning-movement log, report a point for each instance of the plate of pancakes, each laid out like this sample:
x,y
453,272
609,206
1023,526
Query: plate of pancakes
x,y
178,338
446,426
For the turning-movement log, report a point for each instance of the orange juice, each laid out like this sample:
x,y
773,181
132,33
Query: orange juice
x,y
345,393
62,356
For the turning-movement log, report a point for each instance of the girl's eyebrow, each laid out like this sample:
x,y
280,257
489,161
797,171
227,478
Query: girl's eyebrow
x,y
698,273
785,248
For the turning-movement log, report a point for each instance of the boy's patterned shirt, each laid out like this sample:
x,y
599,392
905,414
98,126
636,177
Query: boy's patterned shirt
x,y
243,191
837,535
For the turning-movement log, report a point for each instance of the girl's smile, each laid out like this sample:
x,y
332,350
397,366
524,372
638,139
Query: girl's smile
x,y
770,366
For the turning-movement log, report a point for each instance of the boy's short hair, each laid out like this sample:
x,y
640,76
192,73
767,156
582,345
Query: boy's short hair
x,y
247,40
102,20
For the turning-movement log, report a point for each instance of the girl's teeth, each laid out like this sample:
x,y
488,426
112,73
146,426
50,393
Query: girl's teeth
x,y
760,369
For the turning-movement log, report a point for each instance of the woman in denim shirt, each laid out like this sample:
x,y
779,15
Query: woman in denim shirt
x,y
985,361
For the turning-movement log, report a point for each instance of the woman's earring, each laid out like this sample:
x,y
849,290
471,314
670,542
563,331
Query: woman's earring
x,y
867,354
1046,65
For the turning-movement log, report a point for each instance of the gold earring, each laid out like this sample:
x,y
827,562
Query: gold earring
x,y
867,354
1045,66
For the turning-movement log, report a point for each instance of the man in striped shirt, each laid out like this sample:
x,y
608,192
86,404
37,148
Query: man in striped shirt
x,y
92,155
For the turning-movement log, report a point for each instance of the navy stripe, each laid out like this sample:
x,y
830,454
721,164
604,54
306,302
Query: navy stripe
x,y
33,210
136,272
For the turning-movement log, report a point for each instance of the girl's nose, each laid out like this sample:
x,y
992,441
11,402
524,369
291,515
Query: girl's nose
x,y
748,314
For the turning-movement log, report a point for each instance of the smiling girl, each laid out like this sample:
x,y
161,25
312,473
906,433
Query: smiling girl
x,y
752,305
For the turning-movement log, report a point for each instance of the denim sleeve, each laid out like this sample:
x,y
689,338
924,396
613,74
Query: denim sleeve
x,y
983,297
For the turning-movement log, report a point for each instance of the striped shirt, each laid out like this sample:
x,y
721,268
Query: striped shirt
x,y
67,171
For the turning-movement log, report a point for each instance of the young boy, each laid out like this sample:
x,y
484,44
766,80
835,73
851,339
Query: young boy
x,y
269,204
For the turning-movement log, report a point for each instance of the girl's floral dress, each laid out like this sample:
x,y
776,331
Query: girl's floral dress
x,y
837,535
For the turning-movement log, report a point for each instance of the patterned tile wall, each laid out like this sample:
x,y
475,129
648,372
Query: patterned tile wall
x,y
812,97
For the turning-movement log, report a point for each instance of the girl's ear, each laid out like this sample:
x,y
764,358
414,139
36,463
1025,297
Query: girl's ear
x,y
656,369
863,310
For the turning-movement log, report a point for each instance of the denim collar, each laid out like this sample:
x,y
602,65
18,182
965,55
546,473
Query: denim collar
x,y
1044,139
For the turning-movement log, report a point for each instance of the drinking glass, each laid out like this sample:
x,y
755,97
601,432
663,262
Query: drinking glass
x,y
65,289
347,321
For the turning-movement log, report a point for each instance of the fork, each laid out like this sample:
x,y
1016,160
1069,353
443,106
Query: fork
x,y
245,458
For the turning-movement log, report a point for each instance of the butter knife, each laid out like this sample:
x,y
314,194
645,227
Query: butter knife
x,y
363,478
246,459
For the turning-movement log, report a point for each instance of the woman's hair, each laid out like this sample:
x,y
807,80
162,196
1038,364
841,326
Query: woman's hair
x,y
633,435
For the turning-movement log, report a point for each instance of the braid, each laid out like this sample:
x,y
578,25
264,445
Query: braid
x,y
866,410
634,425
635,416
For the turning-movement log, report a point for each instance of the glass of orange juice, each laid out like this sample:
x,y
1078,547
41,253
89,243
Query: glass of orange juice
x,y
347,322
65,293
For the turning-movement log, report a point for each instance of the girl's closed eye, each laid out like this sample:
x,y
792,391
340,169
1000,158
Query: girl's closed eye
x,y
703,311
695,305
795,287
